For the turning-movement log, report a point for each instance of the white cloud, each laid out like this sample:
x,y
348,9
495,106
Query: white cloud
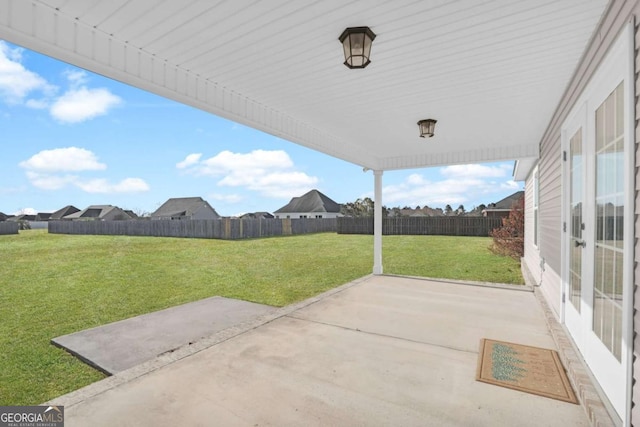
x,y
16,82
476,171
47,181
128,185
270,173
26,211
63,159
462,184
416,179
78,105
253,163
37,104
49,170
190,160
510,185
413,192
76,77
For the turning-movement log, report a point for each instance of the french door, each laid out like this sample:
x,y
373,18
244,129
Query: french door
x,y
598,229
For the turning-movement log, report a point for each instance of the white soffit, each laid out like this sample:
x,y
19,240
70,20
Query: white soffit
x,y
523,167
491,72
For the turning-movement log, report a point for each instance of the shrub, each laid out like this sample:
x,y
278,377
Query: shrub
x,y
508,240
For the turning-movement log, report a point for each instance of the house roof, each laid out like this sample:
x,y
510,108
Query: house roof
x,y
491,73
313,201
180,206
506,203
93,211
61,213
43,216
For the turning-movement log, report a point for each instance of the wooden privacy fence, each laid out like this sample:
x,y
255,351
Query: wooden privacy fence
x,y
226,228
9,227
434,225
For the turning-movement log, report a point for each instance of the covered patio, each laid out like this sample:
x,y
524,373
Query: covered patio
x,y
381,350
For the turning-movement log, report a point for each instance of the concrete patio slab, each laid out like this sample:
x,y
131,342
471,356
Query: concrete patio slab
x,y
121,345
442,313
383,351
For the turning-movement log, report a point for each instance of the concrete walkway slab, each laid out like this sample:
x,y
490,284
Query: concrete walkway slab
x,y
383,351
121,345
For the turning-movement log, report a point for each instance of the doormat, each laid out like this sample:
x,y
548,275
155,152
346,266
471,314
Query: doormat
x,y
521,367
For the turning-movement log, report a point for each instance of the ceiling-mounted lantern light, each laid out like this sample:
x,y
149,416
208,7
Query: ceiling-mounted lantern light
x,y
427,127
356,42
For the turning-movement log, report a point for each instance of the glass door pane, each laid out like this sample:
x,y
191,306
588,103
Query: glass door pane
x,y
609,243
575,240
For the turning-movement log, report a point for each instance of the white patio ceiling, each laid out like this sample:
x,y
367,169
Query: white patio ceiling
x,y
490,71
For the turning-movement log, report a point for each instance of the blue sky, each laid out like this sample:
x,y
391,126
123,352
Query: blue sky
x,y
69,136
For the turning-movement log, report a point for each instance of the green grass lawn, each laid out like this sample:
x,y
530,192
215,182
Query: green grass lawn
x,y
52,285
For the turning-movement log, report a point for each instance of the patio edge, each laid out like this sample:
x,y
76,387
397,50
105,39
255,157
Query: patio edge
x,y
78,396
512,287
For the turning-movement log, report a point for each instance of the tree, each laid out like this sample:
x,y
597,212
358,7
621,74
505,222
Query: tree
x,y
477,210
359,208
448,210
141,213
508,240
460,210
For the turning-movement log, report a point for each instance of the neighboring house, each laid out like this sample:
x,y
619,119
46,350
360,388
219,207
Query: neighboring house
x,y
61,213
313,204
503,207
131,214
257,215
99,213
582,212
185,208
3,217
42,216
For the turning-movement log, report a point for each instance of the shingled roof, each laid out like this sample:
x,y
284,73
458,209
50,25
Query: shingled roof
x,y
61,213
180,207
313,201
96,212
507,202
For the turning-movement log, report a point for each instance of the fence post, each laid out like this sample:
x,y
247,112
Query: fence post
x,y
286,226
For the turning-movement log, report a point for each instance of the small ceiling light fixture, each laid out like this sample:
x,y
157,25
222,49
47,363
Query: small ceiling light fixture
x,y
356,42
427,127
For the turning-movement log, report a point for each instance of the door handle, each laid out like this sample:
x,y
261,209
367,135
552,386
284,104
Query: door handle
x,y
582,243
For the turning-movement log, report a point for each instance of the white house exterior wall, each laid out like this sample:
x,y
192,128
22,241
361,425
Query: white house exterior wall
x,y
531,253
540,272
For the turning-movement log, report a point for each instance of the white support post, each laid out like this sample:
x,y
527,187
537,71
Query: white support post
x,y
377,223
